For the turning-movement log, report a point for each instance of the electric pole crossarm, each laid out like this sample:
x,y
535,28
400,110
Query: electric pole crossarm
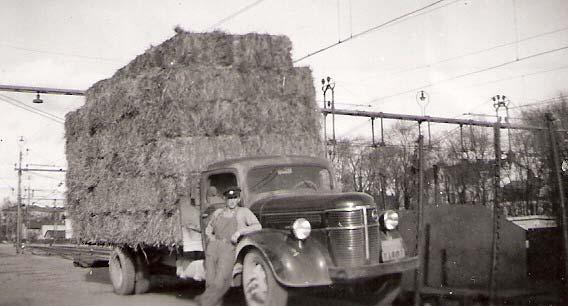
x,y
42,90
427,119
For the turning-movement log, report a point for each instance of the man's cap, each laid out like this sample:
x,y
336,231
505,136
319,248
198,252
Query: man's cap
x,y
232,192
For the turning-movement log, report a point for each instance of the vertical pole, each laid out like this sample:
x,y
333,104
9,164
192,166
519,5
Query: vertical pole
x,y
461,138
26,215
373,130
495,236
325,134
19,209
382,133
324,89
383,191
444,260
435,169
419,275
563,218
429,136
54,219
427,236
333,116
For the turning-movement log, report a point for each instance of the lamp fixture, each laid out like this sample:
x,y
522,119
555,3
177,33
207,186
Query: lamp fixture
x,y
38,100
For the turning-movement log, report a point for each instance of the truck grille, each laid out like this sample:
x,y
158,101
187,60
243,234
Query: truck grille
x,y
348,240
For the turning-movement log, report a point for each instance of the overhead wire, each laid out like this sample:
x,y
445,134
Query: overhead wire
x,y
516,77
453,58
432,84
541,102
233,15
405,16
46,176
61,53
31,109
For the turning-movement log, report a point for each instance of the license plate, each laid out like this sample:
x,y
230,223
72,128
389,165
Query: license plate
x,y
392,249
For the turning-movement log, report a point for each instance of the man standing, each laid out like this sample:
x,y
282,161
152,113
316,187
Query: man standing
x,y
222,233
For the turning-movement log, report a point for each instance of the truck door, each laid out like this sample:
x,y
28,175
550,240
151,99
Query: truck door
x,y
213,184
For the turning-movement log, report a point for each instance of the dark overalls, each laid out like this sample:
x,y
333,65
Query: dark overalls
x,y
219,261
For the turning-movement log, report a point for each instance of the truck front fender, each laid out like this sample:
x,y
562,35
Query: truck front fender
x,y
294,263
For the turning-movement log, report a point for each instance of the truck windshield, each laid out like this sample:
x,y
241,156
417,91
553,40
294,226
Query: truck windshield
x,y
275,178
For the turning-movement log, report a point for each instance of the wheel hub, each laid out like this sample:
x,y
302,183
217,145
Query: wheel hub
x,y
256,288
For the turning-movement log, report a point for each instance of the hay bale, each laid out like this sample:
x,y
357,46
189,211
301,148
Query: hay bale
x,y
135,148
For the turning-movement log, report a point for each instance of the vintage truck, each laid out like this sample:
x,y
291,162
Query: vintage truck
x,y
312,235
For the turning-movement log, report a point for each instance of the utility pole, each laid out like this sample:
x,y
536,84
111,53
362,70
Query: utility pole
x,y
420,236
562,211
327,84
19,217
19,209
27,215
435,170
496,215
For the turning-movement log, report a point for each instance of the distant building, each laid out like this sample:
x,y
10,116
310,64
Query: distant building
x,y
34,218
53,231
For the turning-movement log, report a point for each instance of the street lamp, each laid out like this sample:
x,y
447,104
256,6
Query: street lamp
x,y
38,100
501,101
423,99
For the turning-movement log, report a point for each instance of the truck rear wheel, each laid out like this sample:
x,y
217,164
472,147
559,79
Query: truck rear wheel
x,y
121,271
259,285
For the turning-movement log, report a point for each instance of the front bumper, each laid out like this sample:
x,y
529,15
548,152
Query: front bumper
x,y
352,273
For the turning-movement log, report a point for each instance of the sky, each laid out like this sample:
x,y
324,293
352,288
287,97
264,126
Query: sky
x,y
460,52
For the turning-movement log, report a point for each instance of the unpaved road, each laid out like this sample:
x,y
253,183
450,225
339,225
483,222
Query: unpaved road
x,y
29,280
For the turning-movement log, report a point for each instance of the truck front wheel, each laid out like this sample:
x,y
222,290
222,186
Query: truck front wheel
x,y
259,285
121,271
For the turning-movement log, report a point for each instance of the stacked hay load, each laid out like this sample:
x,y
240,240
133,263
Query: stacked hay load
x,y
135,148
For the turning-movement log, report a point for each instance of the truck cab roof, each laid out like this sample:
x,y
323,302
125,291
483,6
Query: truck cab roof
x,y
255,161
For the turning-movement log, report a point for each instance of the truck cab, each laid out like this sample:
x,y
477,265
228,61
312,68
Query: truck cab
x,y
313,235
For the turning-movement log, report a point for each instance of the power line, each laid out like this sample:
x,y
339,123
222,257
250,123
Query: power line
x,y
469,74
30,107
429,65
62,54
505,79
518,76
34,110
390,22
541,102
233,15
46,176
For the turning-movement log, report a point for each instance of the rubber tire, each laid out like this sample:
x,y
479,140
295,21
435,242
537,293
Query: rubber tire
x,y
142,278
121,271
277,294
381,291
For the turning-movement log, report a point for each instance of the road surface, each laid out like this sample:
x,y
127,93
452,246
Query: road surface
x,y
30,280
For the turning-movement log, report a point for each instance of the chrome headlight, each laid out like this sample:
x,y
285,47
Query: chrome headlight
x,y
390,220
301,228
